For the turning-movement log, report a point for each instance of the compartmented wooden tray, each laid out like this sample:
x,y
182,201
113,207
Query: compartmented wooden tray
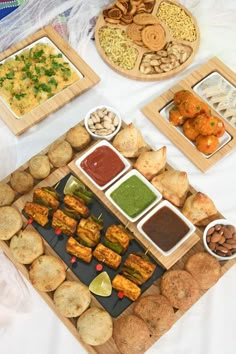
x,y
174,261
171,14
87,78
155,110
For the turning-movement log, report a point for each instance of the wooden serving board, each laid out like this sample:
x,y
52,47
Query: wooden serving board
x,y
176,261
152,112
89,79
135,72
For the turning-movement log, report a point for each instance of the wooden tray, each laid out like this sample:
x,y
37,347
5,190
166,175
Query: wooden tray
x,y
152,112
135,72
89,79
176,262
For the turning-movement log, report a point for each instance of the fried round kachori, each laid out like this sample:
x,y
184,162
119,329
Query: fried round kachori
x,y
26,246
10,222
131,335
95,326
7,194
39,166
21,181
47,273
78,137
72,298
204,268
60,153
207,144
180,288
156,311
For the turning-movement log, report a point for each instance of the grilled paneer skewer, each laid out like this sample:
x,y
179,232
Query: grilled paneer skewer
x,y
137,269
76,204
88,232
76,249
44,197
106,255
117,238
130,290
37,212
63,222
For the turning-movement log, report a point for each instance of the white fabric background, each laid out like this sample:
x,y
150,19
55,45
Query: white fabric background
x,y
209,326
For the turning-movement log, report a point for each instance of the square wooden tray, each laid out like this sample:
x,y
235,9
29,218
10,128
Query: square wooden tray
x,y
152,112
89,79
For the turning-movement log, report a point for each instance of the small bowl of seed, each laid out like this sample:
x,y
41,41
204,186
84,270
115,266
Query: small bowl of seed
x,y
102,122
219,239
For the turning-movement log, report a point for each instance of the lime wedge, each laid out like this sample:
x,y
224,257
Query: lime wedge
x,y
72,185
101,285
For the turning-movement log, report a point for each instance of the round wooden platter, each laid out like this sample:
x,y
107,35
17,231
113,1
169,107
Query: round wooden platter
x,y
135,72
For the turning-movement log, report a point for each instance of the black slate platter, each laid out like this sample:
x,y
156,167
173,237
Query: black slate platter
x,y
87,272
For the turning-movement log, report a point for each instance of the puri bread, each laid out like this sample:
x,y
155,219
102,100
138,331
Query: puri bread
x,y
26,246
47,273
180,288
10,222
200,209
150,163
173,185
7,194
95,326
157,313
60,153
78,137
204,268
39,166
131,335
21,181
72,298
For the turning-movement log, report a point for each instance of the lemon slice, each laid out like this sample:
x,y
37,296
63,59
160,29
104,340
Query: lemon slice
x,y
101,285
72,185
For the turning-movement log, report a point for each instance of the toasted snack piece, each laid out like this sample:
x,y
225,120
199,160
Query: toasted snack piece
x,y
180,288
173,185
76,249
130,290
175,117
26,246
10,222
47,273
137,269
78,137
117,238
106,255
95,326
7,194
37,212
60,153
207,144
131,335
200,209
77,204
204,268
144,19
72,298
88,232
150,163
63,222
39,166
157,313
21,181
42,196
129,142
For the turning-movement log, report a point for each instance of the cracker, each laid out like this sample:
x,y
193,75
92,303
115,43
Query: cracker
x,y
144,19
134,32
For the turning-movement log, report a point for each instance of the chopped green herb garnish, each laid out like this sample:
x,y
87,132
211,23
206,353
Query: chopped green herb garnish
x,y
37,69
34,78
17,57
42,87
59,55
18,96
52,81
212,124
198,108
174,109
26,67
10,75
66,72
38,54
56,65
49,72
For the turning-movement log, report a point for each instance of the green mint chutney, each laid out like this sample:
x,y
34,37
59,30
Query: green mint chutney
x,y
133,196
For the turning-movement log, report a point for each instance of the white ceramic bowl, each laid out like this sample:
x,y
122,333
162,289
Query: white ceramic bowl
x,y
127,165
165,203
96,136
213,223
145,181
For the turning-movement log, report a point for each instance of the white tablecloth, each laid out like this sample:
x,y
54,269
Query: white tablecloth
x,y
209,326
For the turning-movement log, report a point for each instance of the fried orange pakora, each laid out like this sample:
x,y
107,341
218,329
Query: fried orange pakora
x,y
207,144
208,125
189,130
175,117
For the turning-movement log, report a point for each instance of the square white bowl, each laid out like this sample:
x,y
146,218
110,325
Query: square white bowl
x,y
165,203
93,148
223,140
146,182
